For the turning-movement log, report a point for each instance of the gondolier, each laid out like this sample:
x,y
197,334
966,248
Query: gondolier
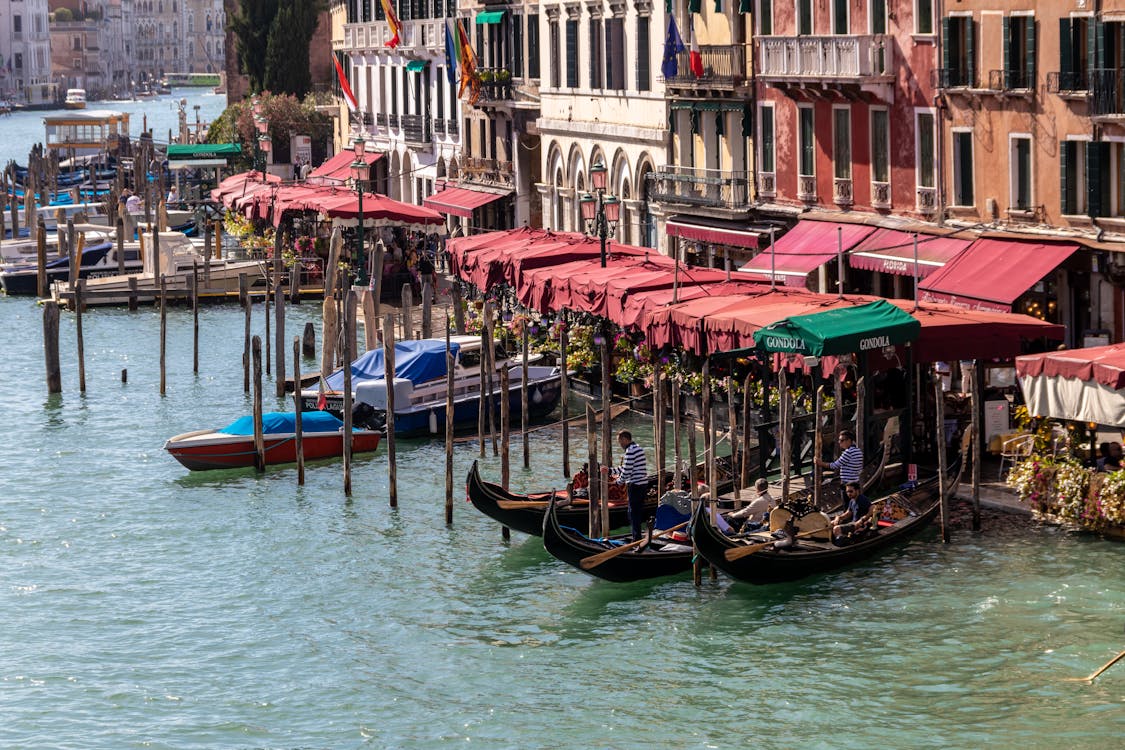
x,y
634,476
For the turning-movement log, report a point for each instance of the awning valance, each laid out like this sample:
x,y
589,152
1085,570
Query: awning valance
x,y
178,151
490,16
1079,384
992,273
845,330
461,201
339,166
415,66
892,251
713,234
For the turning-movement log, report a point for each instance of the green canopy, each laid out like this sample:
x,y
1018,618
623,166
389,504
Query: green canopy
x,y
203,150
490,16
844,330
415,66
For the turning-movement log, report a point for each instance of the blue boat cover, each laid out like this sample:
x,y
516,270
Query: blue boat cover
x,y
276,422
417,361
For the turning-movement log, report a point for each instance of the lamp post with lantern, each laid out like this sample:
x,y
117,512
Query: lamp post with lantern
x,y
361,171
264,144
601,213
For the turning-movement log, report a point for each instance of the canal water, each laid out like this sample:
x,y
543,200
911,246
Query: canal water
x,y
145,606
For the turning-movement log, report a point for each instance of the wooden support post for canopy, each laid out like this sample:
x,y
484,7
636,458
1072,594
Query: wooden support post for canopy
x,y
975,404
678,482
458,309
818,450
658,429
593,473
163,333
838,410
298,436
259,438
564,400
349,344
746,414
207,239
244,299
389,374
939,404
133,299
732,419
523,400
120,238
450,364
784,430
861,417
71,246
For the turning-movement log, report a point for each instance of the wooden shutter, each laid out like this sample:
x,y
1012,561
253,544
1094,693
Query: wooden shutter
x,y
572,54
644,54
1097,154
1067,153
1066,56
596,80
970,58
517,46
533,45
1097,44
1029,61
1006,26
946,24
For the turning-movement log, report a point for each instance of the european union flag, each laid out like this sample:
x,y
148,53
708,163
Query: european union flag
x,y
450,57
673,45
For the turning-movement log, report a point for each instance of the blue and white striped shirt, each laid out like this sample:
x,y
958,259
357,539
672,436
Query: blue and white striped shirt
x,y
849,464
632,469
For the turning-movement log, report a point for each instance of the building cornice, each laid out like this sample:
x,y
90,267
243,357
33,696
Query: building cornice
x,y
603,131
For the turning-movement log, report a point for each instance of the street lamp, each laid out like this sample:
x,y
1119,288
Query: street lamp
x,y
601,213
361,170
264,142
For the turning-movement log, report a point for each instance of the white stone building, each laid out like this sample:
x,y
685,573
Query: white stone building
x,y
602,99
25,45
204,34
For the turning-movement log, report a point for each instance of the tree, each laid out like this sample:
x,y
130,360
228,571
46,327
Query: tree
x,y
285,114
273,43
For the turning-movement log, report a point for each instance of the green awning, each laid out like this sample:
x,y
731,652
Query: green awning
x,y
490,16
415,66
203,150
845,330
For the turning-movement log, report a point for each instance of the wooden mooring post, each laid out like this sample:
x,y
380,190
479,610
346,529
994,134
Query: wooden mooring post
x,y
298,437
975,404
259,437
564,400
244,300
279,320
266,315
41,258
79,290
163,334
349,356
389,374
593,473
449,408
658,430
939,440
308,341
505,429
195,317
427,310
51,346
524,402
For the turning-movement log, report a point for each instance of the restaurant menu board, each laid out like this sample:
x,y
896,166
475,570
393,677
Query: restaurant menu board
x,y
996,419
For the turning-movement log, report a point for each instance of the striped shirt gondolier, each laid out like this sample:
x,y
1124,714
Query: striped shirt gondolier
x,y
632,469
849,464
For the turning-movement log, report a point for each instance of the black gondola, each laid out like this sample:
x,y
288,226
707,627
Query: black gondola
x,y
525,512
661,557
914,509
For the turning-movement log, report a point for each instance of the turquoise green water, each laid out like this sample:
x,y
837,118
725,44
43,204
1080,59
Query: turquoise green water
x,y
143,606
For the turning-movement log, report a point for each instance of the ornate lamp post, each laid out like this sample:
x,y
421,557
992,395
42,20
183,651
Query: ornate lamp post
x,y
361,171
264,143
600,213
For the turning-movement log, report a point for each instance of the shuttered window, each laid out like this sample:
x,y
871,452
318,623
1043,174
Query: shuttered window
x,y
517,46
1021,173
533,45
767,155
962,168
806,146
880,146
597,80
925,130
842,143
644,54
556,67
615,54
1068,177
572,54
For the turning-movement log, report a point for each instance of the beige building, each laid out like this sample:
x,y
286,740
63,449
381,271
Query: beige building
x,y
204,36
602,101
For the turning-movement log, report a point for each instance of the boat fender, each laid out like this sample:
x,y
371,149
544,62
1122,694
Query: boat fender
x,y
536,396
433,422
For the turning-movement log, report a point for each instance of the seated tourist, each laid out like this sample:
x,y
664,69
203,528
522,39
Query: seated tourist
x,y
753,514
855,518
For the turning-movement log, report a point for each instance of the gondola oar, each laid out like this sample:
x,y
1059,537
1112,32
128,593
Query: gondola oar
x,y
594,561
1095,675
736,553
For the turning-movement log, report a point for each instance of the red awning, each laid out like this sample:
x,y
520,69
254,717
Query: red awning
x,y
234,185
1103,364
713,234
892,251
992,273
641,304
804,248
460,201
339,166
950,332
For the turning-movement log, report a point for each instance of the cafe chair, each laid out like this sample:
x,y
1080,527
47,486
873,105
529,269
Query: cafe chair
x,y
1015,450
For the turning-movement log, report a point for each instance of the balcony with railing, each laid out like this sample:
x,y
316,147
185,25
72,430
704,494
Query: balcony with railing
x,y
853,58
1068,83
1022,81
495,84
880,194
961,77
842,191
806,188
724,66
692,186
451,127
416,129
927,200
1107,94
488,171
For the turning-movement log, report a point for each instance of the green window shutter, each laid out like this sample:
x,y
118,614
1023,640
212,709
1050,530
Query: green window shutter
x,y
720,126
1029,60
971,69
1066,56
1091,45
945,26
1006,26
644,77
572,54
517,46
668,7
747,121
745,6
695,121
718,6
1093,180
695,6
1098,38
1067,153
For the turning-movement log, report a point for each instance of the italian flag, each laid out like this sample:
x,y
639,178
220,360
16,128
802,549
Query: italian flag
x,y
695,58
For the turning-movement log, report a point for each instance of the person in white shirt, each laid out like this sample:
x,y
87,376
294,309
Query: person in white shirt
x,y
758,507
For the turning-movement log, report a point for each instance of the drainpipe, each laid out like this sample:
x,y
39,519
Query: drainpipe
x,y
940,108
